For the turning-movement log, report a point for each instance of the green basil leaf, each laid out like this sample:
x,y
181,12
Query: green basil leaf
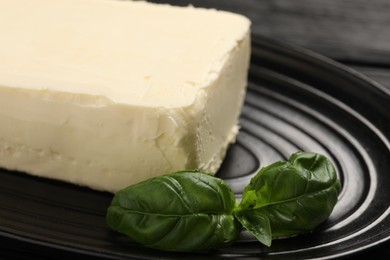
x,y
183,211
289,198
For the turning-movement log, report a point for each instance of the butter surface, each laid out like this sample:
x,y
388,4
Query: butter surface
x,y
107,93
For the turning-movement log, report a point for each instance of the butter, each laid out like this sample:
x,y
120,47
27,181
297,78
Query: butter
x,y
107,93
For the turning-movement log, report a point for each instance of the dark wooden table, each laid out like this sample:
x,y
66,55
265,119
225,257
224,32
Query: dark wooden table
x,y
353,32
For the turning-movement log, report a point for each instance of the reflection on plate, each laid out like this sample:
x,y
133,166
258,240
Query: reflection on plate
x,y
296,100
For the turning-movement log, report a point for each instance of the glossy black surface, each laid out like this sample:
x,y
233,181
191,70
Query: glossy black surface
x,y
296,100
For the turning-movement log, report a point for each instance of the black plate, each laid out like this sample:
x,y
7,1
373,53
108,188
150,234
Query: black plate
x,y
297,100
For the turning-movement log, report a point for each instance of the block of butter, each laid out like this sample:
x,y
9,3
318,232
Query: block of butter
x,y
107,93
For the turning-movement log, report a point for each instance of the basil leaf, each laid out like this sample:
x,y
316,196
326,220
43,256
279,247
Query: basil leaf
x,y
289,198
183,211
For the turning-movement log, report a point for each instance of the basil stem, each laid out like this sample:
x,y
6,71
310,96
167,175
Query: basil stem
x,y
289,198
183,211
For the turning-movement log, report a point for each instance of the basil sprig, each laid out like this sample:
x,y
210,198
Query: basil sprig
x,y
191,211
183,211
